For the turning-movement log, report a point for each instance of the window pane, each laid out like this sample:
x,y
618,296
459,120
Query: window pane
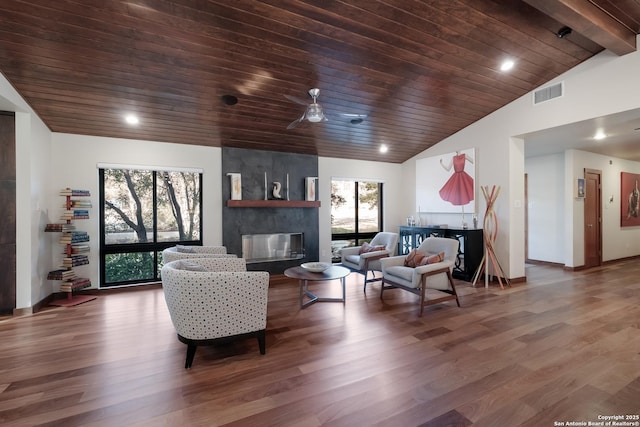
x,y
343,207
337,245
128,206
178,206
136,201
368,207
125,267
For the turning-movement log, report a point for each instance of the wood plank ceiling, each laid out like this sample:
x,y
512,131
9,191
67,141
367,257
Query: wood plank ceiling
x,y
419,70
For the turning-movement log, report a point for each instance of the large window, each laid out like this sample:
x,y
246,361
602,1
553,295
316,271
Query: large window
x,y
143,212
356,213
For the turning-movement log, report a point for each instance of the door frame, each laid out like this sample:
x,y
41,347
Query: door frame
x,y
598,212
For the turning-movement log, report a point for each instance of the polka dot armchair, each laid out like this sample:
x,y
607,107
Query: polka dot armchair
x,y
215,299
188,252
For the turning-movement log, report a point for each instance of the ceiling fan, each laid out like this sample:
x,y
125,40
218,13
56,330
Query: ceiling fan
x,y
314,112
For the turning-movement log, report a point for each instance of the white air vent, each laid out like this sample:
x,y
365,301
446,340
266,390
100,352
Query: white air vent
x,y
548,93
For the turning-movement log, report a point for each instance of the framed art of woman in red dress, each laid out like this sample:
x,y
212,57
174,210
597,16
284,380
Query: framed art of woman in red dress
x,y
458,190
446,183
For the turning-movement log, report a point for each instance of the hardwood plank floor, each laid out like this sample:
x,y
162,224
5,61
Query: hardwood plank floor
x,y
565,346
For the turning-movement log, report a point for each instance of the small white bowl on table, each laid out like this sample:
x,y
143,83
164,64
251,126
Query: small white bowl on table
x,y
315,267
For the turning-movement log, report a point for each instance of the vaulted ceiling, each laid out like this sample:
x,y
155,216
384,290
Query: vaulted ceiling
x,y
414,71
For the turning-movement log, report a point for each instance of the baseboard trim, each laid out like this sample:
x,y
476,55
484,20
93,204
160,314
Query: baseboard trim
x,y
494,279
613,261
538,262
25,311
576,268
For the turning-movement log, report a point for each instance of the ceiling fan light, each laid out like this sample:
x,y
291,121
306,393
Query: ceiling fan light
x,y
314,113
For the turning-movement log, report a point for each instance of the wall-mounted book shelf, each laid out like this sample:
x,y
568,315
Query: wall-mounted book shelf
x,y
76,247
273,204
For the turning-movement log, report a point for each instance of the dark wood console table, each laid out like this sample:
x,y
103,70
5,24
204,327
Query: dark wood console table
x,y
469,253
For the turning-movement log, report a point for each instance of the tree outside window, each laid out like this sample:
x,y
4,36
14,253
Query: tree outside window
x,y
356,213
143,212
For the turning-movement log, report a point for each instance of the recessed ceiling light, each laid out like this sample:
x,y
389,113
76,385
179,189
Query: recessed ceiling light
x,y
507,65
229,99
132,120
599,135
384,148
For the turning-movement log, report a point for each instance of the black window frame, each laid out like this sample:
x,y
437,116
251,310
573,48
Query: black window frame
x,y
357,236
154,247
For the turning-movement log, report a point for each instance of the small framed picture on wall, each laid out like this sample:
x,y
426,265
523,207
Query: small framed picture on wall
x,y
580,188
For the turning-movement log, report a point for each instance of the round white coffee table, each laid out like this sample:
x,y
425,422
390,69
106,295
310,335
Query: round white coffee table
x,y
305,276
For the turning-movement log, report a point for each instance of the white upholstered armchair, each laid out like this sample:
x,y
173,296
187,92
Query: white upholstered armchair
x,y
434,273
187,252
367,257
215,299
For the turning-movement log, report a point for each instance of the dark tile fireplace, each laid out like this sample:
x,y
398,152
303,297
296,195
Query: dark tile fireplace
x,y
278,219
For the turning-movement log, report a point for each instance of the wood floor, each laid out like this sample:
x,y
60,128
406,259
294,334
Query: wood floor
x,y
562,347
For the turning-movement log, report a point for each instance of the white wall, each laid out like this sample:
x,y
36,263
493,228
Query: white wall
x,y
33,170
546,207
556,217
393,192
603,85
617,242
40,198
76,158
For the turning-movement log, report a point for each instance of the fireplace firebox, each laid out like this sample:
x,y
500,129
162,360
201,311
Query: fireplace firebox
x,y
272,247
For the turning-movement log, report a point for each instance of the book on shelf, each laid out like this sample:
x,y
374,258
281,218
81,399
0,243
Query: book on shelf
x,y
74,192
74,237
61,274
78,249
59,227
75,261
78,257
70,241
71,215
75,284
79,204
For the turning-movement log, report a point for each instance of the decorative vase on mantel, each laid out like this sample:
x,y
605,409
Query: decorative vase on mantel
x,y
310,188
236,186
277,186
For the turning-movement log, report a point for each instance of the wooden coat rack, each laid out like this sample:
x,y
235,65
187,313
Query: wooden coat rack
x,y
490,234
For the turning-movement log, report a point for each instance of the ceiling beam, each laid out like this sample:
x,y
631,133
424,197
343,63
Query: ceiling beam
x,y
591,21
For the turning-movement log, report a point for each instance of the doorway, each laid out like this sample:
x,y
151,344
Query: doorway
x,y
7,212
526,217
592,218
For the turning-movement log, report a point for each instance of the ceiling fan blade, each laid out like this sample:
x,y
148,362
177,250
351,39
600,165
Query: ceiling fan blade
x,y
296,100
344,115
354,119
353,116
293,124
296,122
